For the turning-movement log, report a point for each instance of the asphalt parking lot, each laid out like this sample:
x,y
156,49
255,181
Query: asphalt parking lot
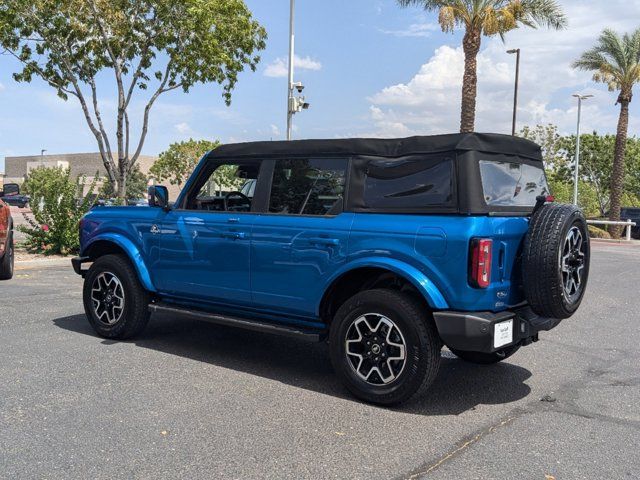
x,y
194,400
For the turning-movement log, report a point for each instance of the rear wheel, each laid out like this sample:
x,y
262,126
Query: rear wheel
x,y
115,302
486,358
8,259
384,347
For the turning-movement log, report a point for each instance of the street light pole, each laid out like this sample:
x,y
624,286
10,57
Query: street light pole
x,y
515,93
291,60
577,166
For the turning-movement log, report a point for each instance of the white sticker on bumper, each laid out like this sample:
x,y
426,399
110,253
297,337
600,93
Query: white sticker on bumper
x,y
503,334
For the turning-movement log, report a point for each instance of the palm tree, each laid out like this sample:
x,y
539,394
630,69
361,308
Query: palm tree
x,y
489,18
615,60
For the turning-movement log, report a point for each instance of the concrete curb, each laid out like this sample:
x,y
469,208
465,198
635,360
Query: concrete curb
x,y
43,263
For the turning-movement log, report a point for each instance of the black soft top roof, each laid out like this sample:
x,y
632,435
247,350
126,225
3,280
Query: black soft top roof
x,y
397,147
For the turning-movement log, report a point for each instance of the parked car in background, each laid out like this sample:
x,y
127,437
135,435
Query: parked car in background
x,y
633,214
6,241
11,195
388,249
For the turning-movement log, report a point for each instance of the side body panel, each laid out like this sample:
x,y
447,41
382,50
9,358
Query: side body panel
x,y
205,256
438,247
131,228
293,259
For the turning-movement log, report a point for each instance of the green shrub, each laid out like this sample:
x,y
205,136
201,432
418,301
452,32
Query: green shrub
x,y
596,232
56,211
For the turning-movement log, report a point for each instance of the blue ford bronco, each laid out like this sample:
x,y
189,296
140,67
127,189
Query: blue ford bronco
x,y
387,249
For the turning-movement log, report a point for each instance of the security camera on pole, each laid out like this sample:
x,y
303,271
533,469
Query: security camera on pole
x,y
298,103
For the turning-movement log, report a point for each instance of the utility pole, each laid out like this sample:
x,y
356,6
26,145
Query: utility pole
x,y
294,104
292,7
577,166
515,93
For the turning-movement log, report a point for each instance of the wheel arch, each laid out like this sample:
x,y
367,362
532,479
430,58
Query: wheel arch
x,y
376,273
112,243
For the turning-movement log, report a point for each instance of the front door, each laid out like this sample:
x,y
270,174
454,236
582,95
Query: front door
x,y
205,242
303,239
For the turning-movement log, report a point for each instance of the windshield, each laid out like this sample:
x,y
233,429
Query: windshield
x,y
511,184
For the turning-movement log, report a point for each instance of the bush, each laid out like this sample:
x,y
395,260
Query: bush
x,y
596,232
56,211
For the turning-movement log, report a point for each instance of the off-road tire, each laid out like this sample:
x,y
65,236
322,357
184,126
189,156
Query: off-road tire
x,y
8,259
542,260
482,358
423,345
135,315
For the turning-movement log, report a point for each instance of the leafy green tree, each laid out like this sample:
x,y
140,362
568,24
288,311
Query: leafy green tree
x,y
155,46
136,186
551,142
176,164
615,61
56,211
489,18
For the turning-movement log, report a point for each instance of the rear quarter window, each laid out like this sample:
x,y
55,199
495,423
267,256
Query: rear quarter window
x,y
512,184
408,183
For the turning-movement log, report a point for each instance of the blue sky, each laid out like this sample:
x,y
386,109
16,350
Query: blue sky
x,y
370,68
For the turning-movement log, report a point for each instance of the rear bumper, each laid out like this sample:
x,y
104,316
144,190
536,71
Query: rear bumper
x,y
476,331
77,262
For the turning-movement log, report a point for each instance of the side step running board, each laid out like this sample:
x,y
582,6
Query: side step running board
x,y
247,324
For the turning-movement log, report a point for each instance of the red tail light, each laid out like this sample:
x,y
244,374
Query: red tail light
x,y
480,268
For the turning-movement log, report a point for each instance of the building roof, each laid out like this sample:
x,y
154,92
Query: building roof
x,y
483,142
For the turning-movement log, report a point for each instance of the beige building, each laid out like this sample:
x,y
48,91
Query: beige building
x,y
83,165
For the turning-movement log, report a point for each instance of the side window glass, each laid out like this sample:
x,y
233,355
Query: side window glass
x,y
410,183
308,186
223,190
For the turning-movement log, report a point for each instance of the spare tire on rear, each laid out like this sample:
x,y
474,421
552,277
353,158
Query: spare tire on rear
x,y
555,260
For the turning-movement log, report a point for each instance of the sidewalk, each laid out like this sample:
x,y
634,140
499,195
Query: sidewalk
x,y
26,261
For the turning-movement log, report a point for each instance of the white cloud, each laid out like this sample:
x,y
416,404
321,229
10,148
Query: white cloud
x,y
275,131
279,67
183,128
429,102
1,87
423,29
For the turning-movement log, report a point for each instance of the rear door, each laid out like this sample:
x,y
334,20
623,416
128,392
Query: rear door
x,y
303,239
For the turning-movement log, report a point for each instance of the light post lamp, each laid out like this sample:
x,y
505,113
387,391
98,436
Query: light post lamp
x,y
577,167
294,104
515,93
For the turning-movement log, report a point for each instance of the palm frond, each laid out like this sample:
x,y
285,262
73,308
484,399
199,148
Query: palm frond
x,y
615,60
545,13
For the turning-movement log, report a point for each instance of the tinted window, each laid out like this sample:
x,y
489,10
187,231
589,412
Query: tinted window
x,y
409,183
511,184
308,187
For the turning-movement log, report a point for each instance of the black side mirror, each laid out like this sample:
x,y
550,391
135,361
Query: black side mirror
x,y
158,196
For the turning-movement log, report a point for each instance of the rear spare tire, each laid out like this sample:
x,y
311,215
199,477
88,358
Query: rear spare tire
x,y
555,260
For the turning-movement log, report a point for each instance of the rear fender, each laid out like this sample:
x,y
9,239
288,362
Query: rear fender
x,y
132,251
423,284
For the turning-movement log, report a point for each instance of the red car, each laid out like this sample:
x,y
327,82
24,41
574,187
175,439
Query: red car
x,y
6,241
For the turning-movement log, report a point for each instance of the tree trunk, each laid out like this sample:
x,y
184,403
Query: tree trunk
x,y
471,47
617,175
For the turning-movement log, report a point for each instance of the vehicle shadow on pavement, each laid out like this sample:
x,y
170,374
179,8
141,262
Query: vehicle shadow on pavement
x,y
459,387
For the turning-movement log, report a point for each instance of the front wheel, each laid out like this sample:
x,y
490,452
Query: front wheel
x,y
115,302
482,358
384,347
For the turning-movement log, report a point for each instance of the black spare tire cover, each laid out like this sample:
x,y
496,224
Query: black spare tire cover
x,y
555,260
